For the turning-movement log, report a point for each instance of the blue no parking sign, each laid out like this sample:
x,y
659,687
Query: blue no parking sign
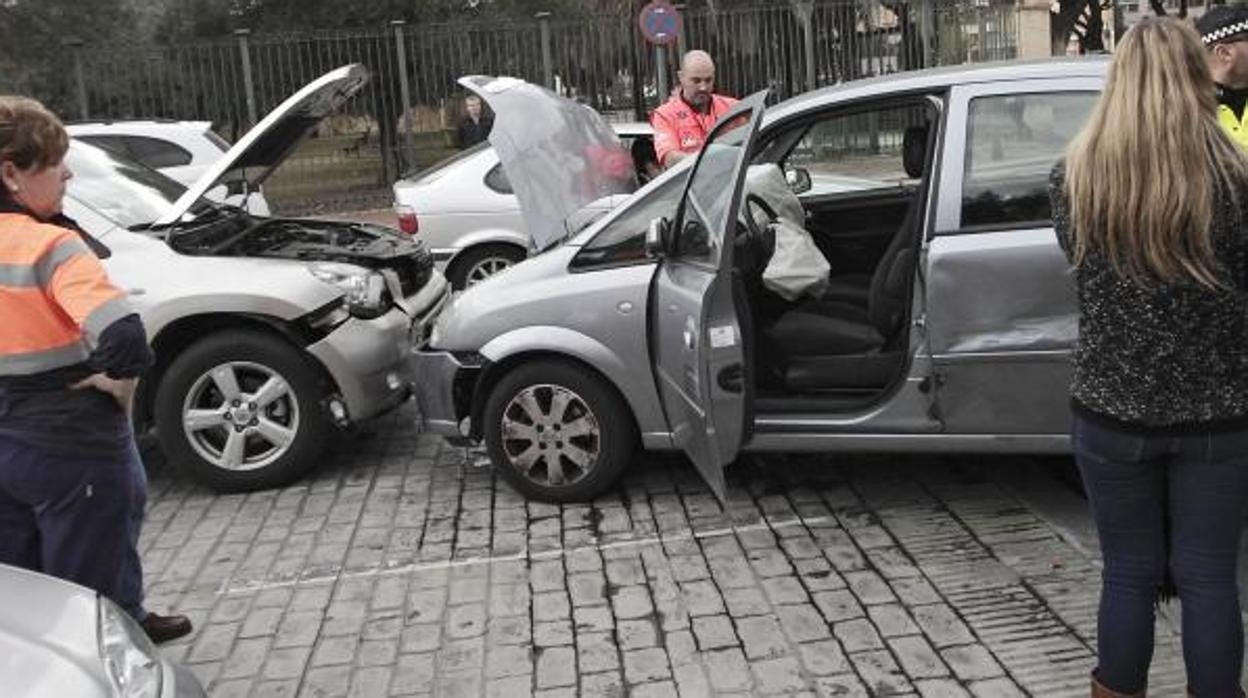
x,y
660,23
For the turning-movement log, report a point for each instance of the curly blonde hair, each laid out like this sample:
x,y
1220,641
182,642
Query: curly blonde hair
x,y
30,134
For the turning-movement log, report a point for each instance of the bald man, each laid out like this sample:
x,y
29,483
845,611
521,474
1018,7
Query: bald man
x,y
683,122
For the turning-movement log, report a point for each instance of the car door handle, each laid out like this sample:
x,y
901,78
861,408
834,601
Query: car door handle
x,y
731,378
688,340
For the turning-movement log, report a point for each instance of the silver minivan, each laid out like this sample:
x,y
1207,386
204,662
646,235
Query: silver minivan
x,y
945,323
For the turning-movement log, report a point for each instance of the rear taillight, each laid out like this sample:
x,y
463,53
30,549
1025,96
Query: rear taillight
x,y
408,222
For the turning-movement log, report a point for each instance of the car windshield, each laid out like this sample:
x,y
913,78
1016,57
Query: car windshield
x,y
125,191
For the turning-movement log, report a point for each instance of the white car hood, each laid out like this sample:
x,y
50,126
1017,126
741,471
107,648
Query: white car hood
x,y
262,149
558,155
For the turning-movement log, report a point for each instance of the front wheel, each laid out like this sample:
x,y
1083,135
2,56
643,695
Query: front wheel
x,y
239,411
557,432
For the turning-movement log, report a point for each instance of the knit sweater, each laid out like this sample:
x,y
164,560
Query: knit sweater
x,y
1161,357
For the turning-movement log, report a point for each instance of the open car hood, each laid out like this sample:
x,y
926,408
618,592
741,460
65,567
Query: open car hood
x,y
558,155
262,149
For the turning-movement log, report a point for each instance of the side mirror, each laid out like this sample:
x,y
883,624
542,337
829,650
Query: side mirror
x,y
658,236
798,180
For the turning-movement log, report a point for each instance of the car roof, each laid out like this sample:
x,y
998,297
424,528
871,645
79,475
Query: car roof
x,y
931,79
135,125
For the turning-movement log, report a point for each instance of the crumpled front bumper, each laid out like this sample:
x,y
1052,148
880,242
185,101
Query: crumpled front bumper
x,y
444,384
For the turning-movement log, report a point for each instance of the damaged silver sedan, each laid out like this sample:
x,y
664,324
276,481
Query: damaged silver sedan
x,y
931,311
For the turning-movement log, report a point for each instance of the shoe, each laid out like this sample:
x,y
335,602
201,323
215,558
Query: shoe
x,y
165,628
1100,691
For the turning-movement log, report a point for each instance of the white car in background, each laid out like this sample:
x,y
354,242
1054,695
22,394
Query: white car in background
x,y
465,210
181,150
61,639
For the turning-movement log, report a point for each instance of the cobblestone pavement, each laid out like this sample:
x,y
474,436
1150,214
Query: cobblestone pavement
x,y
402,567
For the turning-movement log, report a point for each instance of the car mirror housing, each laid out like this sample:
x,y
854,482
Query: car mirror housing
x,y
798,179
658,237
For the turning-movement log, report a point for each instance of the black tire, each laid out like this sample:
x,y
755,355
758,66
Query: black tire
x,y
297,411
462,269
612,446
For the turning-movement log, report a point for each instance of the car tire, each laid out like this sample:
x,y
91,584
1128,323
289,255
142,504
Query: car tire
x,y
479,263
283,429
589,462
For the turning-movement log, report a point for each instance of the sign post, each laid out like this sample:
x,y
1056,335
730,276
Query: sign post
x,y
660,23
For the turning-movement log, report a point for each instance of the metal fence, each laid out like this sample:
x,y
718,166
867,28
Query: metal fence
x,y
403,120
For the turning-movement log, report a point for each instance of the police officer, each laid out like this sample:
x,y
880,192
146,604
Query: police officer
x,y
71,349
682,124
1224,32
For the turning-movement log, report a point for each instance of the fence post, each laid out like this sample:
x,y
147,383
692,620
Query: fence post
x,y
80,84
682,41
405,93
929,34
805,11
248,87
548,71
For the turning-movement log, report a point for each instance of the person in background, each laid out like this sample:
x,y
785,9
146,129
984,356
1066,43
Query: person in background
x,y
682,123
475,127
1160,385
1224,32
71,350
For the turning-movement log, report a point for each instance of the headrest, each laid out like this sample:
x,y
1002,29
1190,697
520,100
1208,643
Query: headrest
x,y
914,151
767,182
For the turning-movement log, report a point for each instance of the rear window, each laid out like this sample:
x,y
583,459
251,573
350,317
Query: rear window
x,y
1013,141
442,166
157,153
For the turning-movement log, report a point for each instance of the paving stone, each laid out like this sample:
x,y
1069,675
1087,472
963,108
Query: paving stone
x,y
508,660
714,632
551,606
681,647
996,688
838,605
803,623
466,621
461,656
940,688
879,671
689,568
261,621
785,590
914,591
213,643
691,681
841,686
941,625
917,658
971,662
869,588
510,687
458,685
728,670
370,682
636,634
327,681
588,588
556,666
421,638
762,637
279,688
857,635
824,658
335,650
298,629
413,674
702,598
892,620
608,685
593,618
286,663
781,675
626,572
552,634
546,575
661,689
509,631
596,652
246,658
631,602
644,665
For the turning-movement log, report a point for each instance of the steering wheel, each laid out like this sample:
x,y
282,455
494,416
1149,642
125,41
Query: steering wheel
x,y
751,222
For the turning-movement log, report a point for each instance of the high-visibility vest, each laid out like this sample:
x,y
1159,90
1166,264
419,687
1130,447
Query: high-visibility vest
x,y
1234,125
678,127
55,297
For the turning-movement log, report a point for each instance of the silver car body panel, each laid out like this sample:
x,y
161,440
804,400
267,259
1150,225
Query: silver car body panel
x,y
965,334
49,642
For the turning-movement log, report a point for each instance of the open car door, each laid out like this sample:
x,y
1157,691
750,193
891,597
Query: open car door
x,y
699,347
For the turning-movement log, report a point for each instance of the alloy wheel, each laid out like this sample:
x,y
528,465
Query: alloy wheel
x,y
550,435
240,416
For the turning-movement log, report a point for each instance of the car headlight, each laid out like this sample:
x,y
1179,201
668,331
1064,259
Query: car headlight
x,y
130,660
366,294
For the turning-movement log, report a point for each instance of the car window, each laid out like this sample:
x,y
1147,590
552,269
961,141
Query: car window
x,y
496,179
858,151
118,188
444,165
1013,142
623,240
157,153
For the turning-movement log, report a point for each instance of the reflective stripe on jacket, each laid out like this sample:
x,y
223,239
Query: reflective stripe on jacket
x,y
678,127
55,297
1236,126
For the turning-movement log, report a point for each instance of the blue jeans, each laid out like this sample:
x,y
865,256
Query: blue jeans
x,y
1171,503
130,582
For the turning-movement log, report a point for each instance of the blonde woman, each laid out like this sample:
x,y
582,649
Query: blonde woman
x,y
1149,205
